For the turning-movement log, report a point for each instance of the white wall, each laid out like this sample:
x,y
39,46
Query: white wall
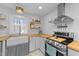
x,y
72,10
4,22
10,29
26,18
9,21
5,30
47,27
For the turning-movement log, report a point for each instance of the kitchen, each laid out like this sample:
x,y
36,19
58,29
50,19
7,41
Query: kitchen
x,y
39,29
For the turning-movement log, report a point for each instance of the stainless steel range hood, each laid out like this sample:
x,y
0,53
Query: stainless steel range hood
x,y
62,18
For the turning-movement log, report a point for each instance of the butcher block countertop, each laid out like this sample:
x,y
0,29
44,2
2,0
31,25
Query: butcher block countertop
x,y
45,35
48,36
74,46
56,39
35,35
4,37
41,35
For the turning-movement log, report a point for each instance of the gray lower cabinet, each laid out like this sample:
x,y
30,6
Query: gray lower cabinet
x,y
17,50
0,48
22,50
11,51
72,53
34,43
42,45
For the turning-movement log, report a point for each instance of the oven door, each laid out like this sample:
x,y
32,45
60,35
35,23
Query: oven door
x,y
50,50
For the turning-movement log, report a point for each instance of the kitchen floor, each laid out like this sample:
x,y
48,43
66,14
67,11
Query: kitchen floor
x,y
36,53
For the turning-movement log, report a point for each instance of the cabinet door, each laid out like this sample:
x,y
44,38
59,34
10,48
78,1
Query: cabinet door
x,y
11,51
22,49
17,50
37,43
0,48
72,53
42,45
32,44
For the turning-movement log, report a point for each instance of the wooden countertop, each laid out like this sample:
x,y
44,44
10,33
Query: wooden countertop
x,y
48,36
4,37
56,39
41,35
35,35
74,45
45,35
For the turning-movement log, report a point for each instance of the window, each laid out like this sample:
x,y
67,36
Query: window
x,y
20,26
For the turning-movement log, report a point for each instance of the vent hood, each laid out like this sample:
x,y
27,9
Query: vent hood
x,y
62,18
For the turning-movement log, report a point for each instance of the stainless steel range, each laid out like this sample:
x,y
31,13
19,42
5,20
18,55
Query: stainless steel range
x,y
60,48
53,48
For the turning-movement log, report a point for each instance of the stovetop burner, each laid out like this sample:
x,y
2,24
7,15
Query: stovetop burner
x,y
65,36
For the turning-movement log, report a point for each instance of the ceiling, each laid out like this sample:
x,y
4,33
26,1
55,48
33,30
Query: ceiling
x,y
30,8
